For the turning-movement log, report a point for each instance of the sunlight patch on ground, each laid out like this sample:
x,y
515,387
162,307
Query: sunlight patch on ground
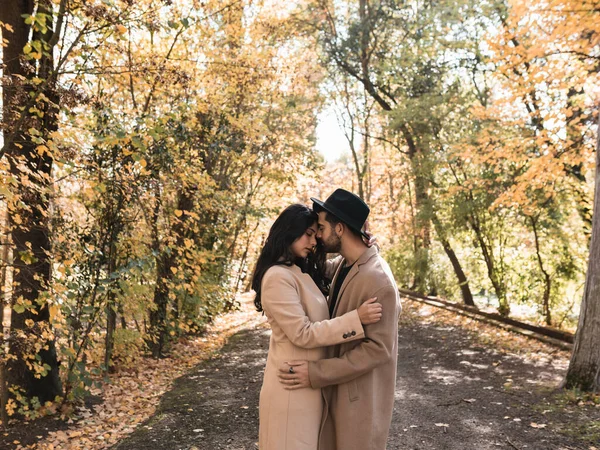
x,y
446,376
400,394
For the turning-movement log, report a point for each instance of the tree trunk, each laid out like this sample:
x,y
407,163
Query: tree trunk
x,y
422,223
584,368
241,274
158,316
4,301
547,279
112,219
575,134
29,220
463,282
488,257
168,257
111,308
122,315
394,207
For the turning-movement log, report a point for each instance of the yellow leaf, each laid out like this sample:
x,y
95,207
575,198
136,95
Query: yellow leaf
x,y
53,309
178,212
174,269
143,163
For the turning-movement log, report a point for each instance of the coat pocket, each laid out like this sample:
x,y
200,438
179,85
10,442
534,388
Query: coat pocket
x,y
353,391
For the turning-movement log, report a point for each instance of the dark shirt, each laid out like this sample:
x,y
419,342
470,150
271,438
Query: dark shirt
x,y
336,289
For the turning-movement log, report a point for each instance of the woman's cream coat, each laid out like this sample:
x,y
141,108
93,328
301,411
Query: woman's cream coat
x,y
298,314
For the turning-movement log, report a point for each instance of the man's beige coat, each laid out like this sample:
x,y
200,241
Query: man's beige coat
x,y
359,377
299,317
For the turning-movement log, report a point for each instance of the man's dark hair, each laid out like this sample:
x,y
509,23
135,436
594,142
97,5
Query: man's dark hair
x,y
334,220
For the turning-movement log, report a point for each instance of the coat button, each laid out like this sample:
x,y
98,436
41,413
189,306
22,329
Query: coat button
x,y
353,333
345,336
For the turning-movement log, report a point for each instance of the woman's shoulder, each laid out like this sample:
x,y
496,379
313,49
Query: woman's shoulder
x,y
279,271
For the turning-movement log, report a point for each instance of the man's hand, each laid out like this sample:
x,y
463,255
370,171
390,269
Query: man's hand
x,y
294,375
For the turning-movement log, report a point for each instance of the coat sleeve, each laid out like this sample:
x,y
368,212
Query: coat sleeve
x,y
281,301
374,350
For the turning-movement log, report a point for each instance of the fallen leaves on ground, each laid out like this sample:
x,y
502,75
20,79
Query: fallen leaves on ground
x,y
504,341
130,398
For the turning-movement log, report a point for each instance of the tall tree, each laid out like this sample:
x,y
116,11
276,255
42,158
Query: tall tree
x,y
584,367
30,101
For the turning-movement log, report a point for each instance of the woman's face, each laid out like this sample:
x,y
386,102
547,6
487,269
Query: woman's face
x,y
302,246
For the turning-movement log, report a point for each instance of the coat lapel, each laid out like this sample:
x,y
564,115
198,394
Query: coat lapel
x,y
333,281
355,269
367,254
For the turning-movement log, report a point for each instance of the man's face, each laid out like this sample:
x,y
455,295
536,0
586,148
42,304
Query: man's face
x,y
328,235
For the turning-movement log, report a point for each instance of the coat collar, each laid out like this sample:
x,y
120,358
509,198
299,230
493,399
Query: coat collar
x,y
365,257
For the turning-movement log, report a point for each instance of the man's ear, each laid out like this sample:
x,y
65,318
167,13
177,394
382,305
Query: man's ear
x,y
339,229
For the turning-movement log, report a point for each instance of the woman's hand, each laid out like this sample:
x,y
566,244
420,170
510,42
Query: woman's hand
x,y
370,311
372,240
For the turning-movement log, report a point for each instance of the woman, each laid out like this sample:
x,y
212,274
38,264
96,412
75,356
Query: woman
x,y
289,282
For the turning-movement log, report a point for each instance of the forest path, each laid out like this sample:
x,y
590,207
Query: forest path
x,y
461,385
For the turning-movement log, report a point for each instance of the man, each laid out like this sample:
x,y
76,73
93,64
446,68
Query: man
x,y
359,377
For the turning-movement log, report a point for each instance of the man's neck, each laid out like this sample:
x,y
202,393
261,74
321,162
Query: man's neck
x,y
352,250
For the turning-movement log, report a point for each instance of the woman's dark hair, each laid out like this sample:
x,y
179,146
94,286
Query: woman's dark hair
x,y
291,224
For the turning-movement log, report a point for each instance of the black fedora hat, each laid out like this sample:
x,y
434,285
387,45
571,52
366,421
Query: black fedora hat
x,y
347,207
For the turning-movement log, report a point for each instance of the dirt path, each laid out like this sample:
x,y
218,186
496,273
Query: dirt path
x,y
454,391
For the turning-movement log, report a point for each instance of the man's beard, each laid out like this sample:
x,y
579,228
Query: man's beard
x,y
333,244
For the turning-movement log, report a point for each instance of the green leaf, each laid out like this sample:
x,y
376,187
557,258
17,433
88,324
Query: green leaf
x,y
27,257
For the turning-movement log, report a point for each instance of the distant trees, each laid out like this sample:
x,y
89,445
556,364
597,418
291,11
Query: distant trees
x,y
399,54
493,130
491,108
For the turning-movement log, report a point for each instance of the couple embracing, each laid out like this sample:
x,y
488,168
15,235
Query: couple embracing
x,y
331,368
